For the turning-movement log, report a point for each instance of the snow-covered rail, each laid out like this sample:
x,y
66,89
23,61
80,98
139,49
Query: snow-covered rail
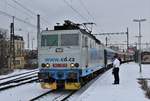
x,y
41,95
19,80
17,76
17,84
66,97
56,95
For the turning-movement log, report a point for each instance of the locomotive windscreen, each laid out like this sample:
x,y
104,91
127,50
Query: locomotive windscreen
x,y
69,39
49,40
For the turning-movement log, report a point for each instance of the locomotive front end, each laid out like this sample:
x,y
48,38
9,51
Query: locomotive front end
x,y
59,59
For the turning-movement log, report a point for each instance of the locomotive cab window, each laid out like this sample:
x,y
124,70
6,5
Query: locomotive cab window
x,y
49,40
69,39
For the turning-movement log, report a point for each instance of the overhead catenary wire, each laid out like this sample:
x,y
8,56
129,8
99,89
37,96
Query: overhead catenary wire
x,y
88,12
30,11
85,8
81,15
84,18
16,18
21,11
24,7
69,5
90,15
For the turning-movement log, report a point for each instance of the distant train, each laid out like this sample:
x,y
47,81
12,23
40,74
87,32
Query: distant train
x,y
145,57
68,56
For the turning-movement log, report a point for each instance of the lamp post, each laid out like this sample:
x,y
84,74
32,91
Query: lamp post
x,y
139,41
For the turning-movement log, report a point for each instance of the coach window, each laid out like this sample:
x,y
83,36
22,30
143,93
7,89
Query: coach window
x,y
69,39
49,40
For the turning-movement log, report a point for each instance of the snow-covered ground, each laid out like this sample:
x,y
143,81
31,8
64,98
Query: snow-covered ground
x,y
127,90
16,71
101,90
22,93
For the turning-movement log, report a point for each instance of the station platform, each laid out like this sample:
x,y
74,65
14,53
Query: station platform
x,y
128,90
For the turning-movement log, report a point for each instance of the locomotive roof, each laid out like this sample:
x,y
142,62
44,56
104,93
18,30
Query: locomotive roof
x,y
69,25
90,35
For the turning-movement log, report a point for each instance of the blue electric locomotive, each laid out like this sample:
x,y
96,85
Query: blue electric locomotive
x,y
68,56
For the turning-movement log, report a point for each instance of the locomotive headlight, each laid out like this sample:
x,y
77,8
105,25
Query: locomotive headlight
x,y
43,65
76,64
47,65
72,65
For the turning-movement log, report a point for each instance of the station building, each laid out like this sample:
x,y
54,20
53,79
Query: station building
x,y
18,61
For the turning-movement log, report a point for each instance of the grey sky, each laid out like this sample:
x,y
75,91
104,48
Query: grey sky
x,y
109,15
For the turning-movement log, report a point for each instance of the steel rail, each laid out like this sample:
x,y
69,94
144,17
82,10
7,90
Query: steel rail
x,y
17,75
19,84
35,98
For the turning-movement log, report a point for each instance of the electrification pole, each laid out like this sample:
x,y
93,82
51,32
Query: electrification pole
x,y
106,41
38,33
38,29
127,39
12,44
28,41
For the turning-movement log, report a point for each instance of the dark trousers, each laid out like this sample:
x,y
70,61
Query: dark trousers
x,y
116,75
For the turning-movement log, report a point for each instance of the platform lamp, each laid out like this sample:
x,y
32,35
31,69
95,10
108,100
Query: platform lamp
x,y
139,41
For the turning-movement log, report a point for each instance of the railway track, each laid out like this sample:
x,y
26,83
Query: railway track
x,y
58,97
18,79
17,84
18,74
44,94
61,95
25,78
66,95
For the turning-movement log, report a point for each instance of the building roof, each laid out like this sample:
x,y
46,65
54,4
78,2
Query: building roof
x,y
16,37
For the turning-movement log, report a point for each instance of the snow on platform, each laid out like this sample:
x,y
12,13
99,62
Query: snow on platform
x,y
101,90
127,90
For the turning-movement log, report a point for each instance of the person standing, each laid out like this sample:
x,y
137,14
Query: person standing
x,y
116,64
